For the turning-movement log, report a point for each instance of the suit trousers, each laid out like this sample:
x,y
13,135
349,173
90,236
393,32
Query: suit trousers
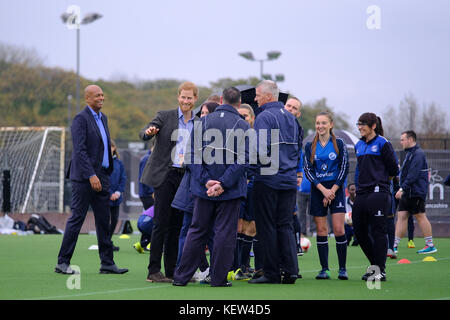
x,y
208,214
274,227
82,197
114,219
167,223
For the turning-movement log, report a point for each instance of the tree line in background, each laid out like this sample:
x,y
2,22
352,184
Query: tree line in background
x,y
427,120
32,94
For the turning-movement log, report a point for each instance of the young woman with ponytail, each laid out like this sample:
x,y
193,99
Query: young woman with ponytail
x,y
376,165
326,165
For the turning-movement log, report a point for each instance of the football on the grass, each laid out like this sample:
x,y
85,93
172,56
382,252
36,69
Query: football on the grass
x,y
305,244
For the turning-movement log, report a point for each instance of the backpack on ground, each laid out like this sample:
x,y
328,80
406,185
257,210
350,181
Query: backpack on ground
x,y
38,224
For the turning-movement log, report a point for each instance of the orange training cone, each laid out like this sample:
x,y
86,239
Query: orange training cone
x,y
404,261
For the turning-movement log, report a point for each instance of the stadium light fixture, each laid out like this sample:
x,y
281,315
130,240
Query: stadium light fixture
x,y
72,18
247,55
271,55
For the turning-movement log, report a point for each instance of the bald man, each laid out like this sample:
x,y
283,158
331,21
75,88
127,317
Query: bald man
x,y
89,171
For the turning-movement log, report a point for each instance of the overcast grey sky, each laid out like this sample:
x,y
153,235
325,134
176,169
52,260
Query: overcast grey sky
x,y
327,48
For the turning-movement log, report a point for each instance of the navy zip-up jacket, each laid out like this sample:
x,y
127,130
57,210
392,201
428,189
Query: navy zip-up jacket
x,y
117,181
144,190
376,162
281,173
183,200
224,157
414,173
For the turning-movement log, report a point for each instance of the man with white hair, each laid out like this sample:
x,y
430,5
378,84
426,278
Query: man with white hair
x,y
276,178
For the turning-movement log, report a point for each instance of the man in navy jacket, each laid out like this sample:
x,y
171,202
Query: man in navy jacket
x,y
279,148
413,192
218,184
89,172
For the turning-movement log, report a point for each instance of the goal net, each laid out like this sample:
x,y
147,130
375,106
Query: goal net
x,y
34,157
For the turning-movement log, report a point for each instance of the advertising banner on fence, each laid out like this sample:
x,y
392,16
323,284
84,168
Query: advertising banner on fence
x,y
437,204
131,207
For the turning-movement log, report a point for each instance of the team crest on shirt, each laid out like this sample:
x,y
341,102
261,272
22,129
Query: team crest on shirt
x,y
332,156
374,148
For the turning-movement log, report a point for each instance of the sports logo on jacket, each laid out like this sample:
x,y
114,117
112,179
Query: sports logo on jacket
x,y
332,156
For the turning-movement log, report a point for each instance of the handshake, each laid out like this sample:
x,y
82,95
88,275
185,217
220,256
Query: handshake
x,y
214,188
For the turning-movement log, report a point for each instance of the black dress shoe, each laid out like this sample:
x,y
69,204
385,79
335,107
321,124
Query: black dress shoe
x,y
112,269
289,278
64,268
178,283
263,279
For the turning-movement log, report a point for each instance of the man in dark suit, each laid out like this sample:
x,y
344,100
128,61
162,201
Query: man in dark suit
x,y
89,172
163,171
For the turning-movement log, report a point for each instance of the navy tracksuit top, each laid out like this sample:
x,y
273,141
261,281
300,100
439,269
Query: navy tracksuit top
x,y
414,173
233,176
376,162
273,115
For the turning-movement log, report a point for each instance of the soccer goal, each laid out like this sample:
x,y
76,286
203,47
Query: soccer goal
x,y
34,158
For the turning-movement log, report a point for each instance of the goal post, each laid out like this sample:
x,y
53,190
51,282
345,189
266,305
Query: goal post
x,y
35,157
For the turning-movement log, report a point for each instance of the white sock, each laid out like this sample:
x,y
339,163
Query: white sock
x,y
429,241
396,242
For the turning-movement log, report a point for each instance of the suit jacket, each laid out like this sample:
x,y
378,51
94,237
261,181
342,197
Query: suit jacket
x,y
159,162
87,154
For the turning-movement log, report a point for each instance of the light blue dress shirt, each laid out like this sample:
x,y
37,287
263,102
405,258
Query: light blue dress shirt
x,y
184,133
98,120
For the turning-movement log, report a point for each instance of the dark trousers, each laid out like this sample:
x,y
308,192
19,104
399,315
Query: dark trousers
x,y
223,215
187,220
82,197
114,210
369,216
274,225
167,223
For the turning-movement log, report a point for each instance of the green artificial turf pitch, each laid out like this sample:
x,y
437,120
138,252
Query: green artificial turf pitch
x,y
27,272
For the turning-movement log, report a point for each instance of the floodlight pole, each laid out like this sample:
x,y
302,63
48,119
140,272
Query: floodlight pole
x,y
72,19
69,111
77,108
261,66
271,55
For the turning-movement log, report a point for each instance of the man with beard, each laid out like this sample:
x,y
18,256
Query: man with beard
x,y
164,173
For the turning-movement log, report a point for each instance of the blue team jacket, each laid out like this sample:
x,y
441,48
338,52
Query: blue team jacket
x,y
232,175
144,190
376,162
290,138
117,181
327,166
414,173
184,200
